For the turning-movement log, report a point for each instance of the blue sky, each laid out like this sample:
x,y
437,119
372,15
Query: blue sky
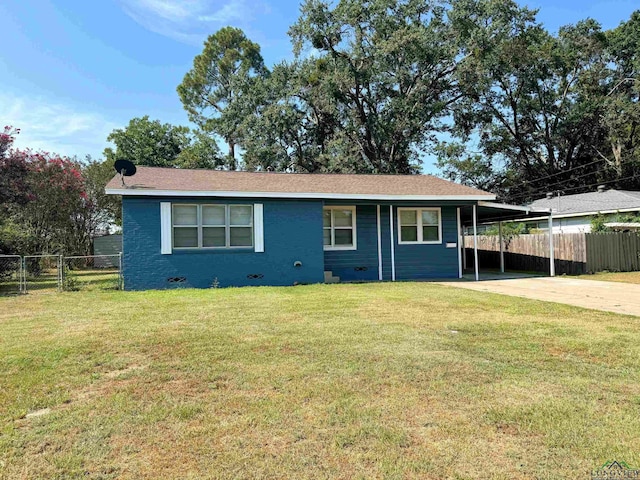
x,y
73,70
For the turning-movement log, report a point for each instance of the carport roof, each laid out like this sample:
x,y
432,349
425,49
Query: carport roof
x,y
491,212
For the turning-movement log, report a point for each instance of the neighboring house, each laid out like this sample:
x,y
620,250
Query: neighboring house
x,y
623,226
203,228
573,213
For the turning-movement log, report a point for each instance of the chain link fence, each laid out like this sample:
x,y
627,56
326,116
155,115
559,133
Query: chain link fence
x,y
10,274
92,272
55,273
41,273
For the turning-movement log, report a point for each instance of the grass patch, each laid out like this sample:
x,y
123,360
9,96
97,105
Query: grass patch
x,y
406,380
625,277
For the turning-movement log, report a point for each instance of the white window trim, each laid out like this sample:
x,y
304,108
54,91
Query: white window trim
x,y
227,226
166,228
419,211
332,247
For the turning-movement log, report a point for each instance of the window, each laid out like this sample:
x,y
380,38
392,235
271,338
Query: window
x,y
419,225
212,226
339,228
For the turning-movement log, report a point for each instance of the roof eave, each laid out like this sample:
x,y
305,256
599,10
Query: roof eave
x,y
300,195
517,208
587,214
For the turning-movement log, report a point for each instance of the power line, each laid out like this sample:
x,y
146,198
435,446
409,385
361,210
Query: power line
x,y
559,184
565,171
602,183
595,184
570,179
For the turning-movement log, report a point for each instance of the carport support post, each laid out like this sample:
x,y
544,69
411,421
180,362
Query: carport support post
x,y
501,247
552,253
460,243
475,241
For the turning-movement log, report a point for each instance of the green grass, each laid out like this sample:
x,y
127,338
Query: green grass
x,y
91,279
625,277
405,380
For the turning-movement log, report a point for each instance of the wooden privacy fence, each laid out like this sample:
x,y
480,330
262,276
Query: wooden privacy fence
x,y
615,251
575,253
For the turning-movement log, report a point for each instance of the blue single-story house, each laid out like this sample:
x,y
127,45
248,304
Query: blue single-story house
x,y
203,228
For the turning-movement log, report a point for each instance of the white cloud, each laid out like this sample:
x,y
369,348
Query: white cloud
x,y
191,21
55,127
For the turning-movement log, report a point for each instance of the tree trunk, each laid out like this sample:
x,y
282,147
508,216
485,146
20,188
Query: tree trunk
x,y
232,155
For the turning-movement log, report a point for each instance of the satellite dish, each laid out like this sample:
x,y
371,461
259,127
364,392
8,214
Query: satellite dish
x,y
125,168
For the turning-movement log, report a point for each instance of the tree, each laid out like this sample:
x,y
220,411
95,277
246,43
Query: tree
x,y
532,102
547,113
56,194
148,142
13,171
622,102
289,129
461,166
107,209
13,192
155,144
96,212
201,152
383,72
215,91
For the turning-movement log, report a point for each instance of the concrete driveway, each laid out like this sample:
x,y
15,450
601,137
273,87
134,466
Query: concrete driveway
x,y
609,296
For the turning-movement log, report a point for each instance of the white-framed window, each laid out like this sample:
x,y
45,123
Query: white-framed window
x,y
212,226
419,225
339,228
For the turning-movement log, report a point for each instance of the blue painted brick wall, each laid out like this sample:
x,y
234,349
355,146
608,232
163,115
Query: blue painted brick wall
x,y
413,262
349,265
292,232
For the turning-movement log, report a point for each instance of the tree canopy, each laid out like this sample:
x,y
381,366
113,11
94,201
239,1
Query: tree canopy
x,y
540,112
215,92
375,85
156,144
51,203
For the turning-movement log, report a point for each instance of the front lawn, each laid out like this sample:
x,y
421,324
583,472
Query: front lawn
x,y
405,380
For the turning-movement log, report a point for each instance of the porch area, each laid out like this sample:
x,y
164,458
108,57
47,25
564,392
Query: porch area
x,y
495,213
387,242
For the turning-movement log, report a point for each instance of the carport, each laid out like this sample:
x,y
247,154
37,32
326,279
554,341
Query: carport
x,y
496,213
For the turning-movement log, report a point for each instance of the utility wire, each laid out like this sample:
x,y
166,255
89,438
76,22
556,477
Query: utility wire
x,y
565,171
591,185
557,185
545,189
561,182
602,183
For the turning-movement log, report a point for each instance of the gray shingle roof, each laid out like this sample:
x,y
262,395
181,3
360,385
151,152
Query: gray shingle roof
x,y
590,202
150,179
